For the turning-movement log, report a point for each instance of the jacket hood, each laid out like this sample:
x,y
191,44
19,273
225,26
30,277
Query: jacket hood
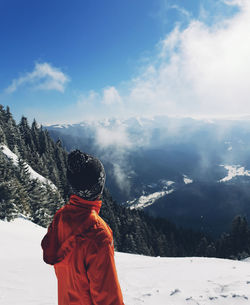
x,y
71,222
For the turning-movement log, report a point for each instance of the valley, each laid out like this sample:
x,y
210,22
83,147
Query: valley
x,y
193,172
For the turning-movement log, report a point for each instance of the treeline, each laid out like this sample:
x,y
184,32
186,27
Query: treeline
x,y
134,231
33,144
20,193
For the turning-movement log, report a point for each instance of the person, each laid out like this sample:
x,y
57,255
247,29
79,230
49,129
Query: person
x,y
79,243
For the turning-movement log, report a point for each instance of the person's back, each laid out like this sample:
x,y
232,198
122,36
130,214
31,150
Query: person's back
x,y
80,246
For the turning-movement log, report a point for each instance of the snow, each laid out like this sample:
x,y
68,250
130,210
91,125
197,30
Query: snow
x,y
147,200
233,171
25,279
33,174
187,180
59,126
179,281
9,154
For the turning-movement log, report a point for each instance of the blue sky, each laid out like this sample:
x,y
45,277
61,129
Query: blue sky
x,y
68,61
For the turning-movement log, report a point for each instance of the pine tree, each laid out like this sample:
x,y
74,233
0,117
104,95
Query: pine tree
x,y
38,201
23,172
22,199
54,201
240,235
26,135
10,133
35,135
8,207
2,136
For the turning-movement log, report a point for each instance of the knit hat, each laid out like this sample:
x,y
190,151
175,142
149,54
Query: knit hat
x,y
86,175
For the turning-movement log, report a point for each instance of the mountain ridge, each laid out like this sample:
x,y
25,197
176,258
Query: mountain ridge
x,y
140,153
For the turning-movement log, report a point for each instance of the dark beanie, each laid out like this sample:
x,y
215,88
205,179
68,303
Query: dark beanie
x,y
86,175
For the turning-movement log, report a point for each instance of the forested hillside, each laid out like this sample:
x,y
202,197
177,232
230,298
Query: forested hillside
x,y
23,193
19,191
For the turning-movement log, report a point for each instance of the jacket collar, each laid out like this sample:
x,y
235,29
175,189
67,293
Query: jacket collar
x,y
91,205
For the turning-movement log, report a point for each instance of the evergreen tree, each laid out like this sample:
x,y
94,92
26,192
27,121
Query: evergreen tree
x,y
38,201
23,172
240,235
8,207
54,200
35,135
2,136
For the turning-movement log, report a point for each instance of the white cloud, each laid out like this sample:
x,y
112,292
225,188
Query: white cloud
x,y
121,177
90,99
181,10
236,2
99,105
111,96
200,70
43,77
113,137
106,136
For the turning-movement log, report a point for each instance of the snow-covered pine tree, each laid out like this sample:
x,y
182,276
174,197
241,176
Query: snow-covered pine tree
x,y
38,202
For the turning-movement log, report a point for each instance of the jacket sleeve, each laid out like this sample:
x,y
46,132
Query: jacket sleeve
x,y
101,271
50,243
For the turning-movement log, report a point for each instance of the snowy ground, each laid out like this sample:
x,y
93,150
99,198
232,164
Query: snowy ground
x,y
26,280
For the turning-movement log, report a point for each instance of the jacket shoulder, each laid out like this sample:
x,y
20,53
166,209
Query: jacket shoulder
x,y
59,213
100,233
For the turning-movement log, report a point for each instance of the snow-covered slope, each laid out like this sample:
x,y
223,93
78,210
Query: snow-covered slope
x,y
148,198
234,171
33,174
25,279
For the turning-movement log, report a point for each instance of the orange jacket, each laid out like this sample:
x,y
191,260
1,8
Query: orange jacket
x,y
80,246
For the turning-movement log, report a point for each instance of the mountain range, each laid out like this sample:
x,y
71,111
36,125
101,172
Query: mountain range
x,y
194,172
34,185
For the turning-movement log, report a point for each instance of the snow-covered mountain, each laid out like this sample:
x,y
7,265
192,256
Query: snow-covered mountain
x,y
141,155
25,279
